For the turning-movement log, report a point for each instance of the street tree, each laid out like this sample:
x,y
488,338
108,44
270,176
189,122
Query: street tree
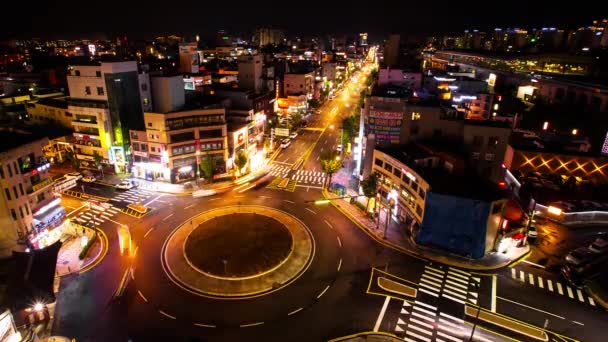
x,y
370,188
240,160
207,166
330,163
296,120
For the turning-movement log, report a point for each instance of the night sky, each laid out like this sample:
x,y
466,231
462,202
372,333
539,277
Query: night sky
x,y
145,19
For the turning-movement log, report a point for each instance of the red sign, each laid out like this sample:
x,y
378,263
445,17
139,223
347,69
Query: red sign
x,y
240,138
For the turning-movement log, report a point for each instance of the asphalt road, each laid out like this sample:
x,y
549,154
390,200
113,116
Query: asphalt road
x,y
338,294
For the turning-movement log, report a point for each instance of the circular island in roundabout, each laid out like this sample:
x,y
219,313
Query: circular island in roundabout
x,y
238,252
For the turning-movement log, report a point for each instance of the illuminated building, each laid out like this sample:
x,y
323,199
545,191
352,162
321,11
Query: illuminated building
x,y
27,204
266,36
188,58
299,83
106,100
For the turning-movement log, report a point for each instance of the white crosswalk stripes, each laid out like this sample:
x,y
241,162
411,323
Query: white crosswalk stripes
x,y
552,286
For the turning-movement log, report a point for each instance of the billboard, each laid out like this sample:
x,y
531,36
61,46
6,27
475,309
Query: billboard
x,y
386,126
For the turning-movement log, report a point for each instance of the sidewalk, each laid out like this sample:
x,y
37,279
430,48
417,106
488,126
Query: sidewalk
x,y
398,236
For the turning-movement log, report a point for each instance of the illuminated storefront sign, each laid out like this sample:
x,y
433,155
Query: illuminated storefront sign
x,y
386,126
117,154
492,80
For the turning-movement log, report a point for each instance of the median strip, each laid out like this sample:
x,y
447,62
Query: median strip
x,y
395,287
506,323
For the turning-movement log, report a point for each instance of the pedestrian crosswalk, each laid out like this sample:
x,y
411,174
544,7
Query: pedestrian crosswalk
x,y
278,170
95,215
551,285
421,321
133,196
303,177
452,284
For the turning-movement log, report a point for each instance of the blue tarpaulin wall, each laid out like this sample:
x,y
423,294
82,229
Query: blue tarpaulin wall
x,y
454,224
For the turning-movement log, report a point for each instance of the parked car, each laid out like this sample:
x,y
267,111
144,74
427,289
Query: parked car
x,y
579,256
88,179
532,232
318,111
285,143
293,135
599,246
125,185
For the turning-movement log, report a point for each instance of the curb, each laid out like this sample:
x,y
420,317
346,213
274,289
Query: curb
x,y
418,254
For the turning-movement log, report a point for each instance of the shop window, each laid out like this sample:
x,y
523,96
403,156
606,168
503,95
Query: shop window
x,y
397,173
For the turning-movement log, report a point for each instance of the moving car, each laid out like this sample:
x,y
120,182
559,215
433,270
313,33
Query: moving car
x,y
293,135
532,232
125,185
579,256
285,143
88,179
599,246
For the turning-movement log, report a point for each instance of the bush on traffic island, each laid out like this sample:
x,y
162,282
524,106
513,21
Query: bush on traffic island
x,y
87,247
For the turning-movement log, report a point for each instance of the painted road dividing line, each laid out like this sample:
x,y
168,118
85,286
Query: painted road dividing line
x,y
295,311
312,211
188,207
167,217
452,317
452,298
460,271
428,292
148,232
328,224
493,304
452,338
142,296
570,294
434,269
425,305
423,317
424,331
204,325
425,311
550,284
534,264
381,315
530,307
323,292
426,339
339,241
531,278
559,289
339,265
166,314
250,324
522,276
591,301
513,273
421,323
540,283
580,295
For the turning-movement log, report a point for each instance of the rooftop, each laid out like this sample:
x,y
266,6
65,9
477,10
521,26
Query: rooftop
x,y
57,102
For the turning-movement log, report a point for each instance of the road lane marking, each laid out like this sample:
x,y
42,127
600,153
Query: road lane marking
x,y
426,339
148,232
455,289
591,301
464,286
426,305
540,283
330,226
425,311
290,202
452,298
439,275
381,315
452,317
204,325
463,281
531,278
530,307
213,199
339,241
166,314
168,216
534,264
449,337
312,211
522,276
430,287
250,324
190,206
423,280
570,294
428,292
424,331
455,294
142,296
426,275
550,284
580,295
493,304
339,265
423,317
434,269
295,311
323,292
559,289
460,271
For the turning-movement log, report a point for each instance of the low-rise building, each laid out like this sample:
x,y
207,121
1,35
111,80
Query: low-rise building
x,y
299,83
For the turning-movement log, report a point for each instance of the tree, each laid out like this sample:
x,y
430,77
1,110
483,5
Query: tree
x,y
314,103
240,160
207,166
330,163
370,188
296,120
